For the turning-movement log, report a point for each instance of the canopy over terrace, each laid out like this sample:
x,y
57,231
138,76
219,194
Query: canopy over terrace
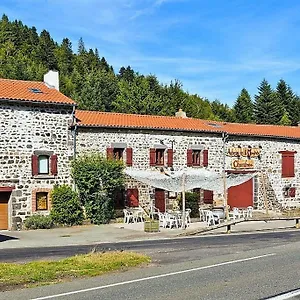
x,y
185,180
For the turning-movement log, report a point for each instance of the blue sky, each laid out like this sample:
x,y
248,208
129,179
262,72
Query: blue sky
x,y
215,47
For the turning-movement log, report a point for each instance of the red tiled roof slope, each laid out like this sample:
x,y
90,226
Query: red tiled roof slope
x,y
20,90
118,120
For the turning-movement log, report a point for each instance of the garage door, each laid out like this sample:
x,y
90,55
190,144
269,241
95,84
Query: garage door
x,y
241,195
4,197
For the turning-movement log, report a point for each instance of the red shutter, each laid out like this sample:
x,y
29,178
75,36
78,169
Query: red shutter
x,y
170,157
53,164
129,157
133,197
292,192
205,158
189,157
152,157
109,153
34,165
288,169
208,196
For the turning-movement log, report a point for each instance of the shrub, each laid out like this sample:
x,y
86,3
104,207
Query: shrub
x,y
100,208
97,179
66,207
38,222
191,201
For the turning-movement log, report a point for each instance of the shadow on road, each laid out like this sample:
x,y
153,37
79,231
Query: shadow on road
x,y
4,238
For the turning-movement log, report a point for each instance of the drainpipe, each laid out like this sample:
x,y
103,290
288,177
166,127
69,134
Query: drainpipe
x,y
74,133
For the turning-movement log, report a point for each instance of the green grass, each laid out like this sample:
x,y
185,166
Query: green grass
x,y
47,272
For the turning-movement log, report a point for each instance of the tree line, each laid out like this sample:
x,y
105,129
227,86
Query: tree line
x,y
88,78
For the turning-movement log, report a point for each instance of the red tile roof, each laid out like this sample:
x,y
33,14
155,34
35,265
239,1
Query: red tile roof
x,y
118,120
20,90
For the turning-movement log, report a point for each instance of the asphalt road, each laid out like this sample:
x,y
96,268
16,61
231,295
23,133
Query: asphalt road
x,y
249,266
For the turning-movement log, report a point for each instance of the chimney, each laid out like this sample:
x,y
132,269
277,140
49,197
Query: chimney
x,y
180,114
51,79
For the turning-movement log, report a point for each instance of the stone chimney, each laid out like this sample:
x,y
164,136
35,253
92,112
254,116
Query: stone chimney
x,y
180,114
51,79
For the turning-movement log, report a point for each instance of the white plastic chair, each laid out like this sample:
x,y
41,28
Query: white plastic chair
x,y
188,216
162,220
128,216
171,220
138,215
234,214
202,213
249,211
211,219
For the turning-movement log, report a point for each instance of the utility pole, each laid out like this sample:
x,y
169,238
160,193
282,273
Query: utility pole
x,y
183,201
224,139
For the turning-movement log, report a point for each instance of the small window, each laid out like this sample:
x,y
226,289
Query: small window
x,y
118,153
42,201
43,164
196,157
159,157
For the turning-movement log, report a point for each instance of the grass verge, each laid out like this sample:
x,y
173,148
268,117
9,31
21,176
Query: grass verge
x,y
13,275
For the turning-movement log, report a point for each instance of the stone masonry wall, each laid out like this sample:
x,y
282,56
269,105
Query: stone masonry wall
x,y
23,130
96,139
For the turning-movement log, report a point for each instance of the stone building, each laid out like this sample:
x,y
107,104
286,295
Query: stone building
x,y
37,135
35,146
159,142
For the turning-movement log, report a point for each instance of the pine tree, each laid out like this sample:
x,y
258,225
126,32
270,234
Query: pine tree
x,y
285,120
243,108
267,107
289,101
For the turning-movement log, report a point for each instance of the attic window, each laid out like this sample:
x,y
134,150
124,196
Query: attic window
x,y
36,91
214,125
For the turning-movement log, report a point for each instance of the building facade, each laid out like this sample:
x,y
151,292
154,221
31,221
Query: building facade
x,y
162,143
41,130
35,149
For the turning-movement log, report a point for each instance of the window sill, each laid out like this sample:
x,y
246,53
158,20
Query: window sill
x,y
44,176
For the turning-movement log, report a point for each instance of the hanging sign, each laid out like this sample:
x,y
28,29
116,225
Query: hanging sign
x,y
242,164
245,152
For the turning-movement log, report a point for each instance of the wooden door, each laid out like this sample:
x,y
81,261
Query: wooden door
x,y
160,200
4,197
241,195
133,197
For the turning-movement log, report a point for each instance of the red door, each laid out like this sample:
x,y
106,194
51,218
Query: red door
x,y
160,202
133,197
241,195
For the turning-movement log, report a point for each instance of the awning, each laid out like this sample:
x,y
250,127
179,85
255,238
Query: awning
x,y
193,178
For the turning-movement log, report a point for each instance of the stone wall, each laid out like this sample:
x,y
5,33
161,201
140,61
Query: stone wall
x,y
23,130
98,139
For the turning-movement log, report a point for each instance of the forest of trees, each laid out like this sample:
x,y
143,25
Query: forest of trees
x,y
88,78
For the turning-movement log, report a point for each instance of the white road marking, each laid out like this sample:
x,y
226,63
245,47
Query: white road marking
x,y
154,277
288,295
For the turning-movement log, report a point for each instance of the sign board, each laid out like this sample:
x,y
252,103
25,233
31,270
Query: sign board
x,y
242,164
244,152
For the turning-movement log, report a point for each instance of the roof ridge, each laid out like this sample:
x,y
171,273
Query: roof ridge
x,y
17,80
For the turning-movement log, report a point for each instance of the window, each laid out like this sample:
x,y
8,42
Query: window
x,y
287,164
196,157
289,192
118,153
159,157
43,164
42,201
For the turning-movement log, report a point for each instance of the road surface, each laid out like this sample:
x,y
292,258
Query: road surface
x,y
248,266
